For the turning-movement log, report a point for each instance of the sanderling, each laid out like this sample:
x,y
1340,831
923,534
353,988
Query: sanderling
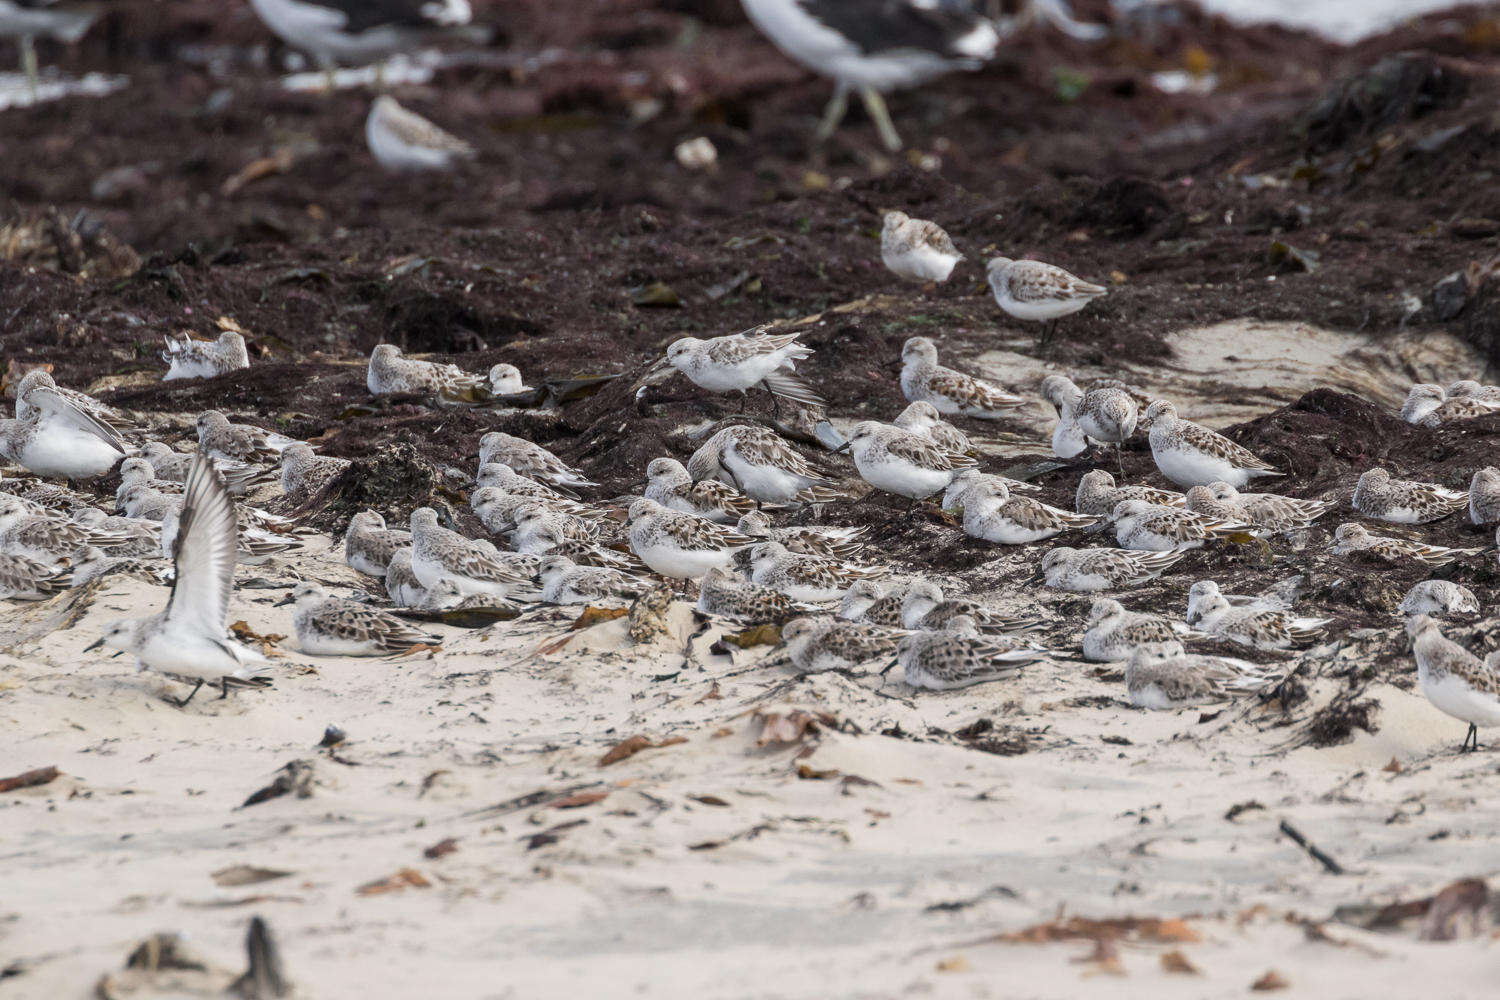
x,y
1153,528
967,480
496,509
959,657
1439,597
1270,512
1402,501
23,579
401,583
391,374
57,439
1098,494
1456,681
668,483
818,644
1087,571
144,501
1430,405
45,538
916,249
872,49
757,462
1485,395
680,546
188,637
38,379
1161,681
539,529
565,582
873,602
505,380
333,626
742,361
369,545
923,418
991,513
1349,538
251,548
1422,400
1201,593
1114,633
230,442
401,139
1192,455
530,460
191,358
950,391
475,567
802,577
1036,291
832,541
356,31
136,473
1103,413
303,473
140,536
172,466
1261,629
902,462
923,606
1484,496
722,593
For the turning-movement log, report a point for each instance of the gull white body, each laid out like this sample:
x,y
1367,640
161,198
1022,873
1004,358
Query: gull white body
x,y
320,30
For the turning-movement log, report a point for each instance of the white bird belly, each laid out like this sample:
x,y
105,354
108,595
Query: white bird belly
x,y
60,452
1455,697
176,651
903,478
1194,468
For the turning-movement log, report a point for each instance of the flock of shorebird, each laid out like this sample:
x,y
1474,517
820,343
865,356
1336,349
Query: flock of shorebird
x,y
713,518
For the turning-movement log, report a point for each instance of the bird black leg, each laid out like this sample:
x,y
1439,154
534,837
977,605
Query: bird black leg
x,y
182,702
744,401
224,684
775,407
1471,740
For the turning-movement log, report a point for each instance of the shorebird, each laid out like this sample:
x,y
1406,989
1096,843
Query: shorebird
x,y
230,442
1190,454
1401,501
1439,597
1152,528
1456,681
1484,496
873,48
401,139
991,513
959,657
1105,413
757,462
742,361
565,582
830,540
721,593
333,626
923,418
669,484
923,606
1098,495
916,249
815,645
680,546
1039,292
39,379
1085,571
303,473
505,380
902,462
1114,633
1270,512
390,373
59,440
530,460
188,638
950,391
811,579
1262,628
1349,538
474,567
369,546
193,358
1162,680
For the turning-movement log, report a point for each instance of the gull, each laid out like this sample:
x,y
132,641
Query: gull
x,y
742,361
1402,501
358,31
23,579
1114,633
1086,571
401,139
758,463
832,541
680,546
812,579
474,567
923,418
950,391
721,593
188,637
1103,413
505,380
925,607
57,439
530,460
1439,597
369,545
333,626
45,538
1098,494
1260,628
1153,528
1456,681
1036,291
1162,680
40,379
230,442
191,358
902,462
24,20
815,645
668,483
391,374
874,602
1349,538
873,48
1192,455
959,657
303,473
916,249
991,513
565,582
1484,496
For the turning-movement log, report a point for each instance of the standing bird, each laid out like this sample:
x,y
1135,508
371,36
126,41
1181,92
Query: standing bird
x,y
874,46
400,139
743,360
1455,680
189,637
24,20
1190,454
1036,291
359,31
917,249
1103,413
950,391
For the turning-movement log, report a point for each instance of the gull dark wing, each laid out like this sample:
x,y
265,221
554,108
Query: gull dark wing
x,y
882,25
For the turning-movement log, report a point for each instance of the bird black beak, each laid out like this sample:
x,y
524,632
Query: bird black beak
x,y
288,599
94,645
843,447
